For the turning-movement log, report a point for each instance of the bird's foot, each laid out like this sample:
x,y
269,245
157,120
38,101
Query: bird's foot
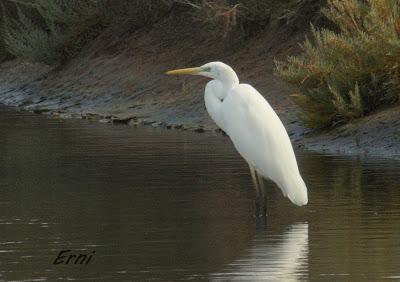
x,y
260,210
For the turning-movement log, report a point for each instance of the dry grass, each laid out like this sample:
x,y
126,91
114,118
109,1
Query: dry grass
x,y
223,17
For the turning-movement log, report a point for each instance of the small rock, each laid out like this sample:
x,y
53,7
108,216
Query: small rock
x,y
40,111
64,115
90,116
121,121
157,124
134,122
199,130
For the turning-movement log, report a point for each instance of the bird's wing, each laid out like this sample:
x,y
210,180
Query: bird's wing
x,y
261,139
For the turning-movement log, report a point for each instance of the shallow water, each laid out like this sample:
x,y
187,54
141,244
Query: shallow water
x,y
170,205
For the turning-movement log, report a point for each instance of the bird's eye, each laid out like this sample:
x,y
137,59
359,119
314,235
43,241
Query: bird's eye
x,y
207,69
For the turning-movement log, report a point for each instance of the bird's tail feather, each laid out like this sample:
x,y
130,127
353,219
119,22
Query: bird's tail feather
x,y
295,189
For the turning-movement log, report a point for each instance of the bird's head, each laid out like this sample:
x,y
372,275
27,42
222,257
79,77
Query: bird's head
x,y
214,70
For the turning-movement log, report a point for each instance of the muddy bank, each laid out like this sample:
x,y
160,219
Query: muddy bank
x,y
120,78
374,135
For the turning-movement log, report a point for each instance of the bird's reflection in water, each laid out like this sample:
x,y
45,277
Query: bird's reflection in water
x,y
271,258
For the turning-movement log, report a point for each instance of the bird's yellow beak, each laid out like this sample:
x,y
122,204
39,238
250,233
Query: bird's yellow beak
x,y
192,71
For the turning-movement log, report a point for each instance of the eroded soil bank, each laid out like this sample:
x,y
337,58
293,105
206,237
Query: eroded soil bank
x,y
120,78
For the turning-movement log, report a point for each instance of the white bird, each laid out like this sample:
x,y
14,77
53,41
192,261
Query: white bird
x,y
254,128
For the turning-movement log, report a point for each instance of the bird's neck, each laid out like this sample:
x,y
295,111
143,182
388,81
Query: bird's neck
x,y
229,81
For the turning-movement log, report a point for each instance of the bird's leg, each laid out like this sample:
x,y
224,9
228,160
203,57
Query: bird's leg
x,y
257,199
263,191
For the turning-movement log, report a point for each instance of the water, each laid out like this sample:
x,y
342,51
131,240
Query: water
x,y
165,205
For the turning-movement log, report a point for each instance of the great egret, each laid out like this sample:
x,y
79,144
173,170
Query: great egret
x,y
254,128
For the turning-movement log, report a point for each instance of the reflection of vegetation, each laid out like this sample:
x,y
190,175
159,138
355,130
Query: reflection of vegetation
x,y
348,73
144,208
154,210
356,223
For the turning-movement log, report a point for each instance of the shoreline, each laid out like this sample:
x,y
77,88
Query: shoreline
x,y
342,141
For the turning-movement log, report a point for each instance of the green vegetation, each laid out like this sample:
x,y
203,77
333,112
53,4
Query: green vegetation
x,y
352,70
39,30
53,31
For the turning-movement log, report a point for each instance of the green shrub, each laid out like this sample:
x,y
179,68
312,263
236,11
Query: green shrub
x,y
137,13
63,12
24,38
347,73
38,30
53,31
3,52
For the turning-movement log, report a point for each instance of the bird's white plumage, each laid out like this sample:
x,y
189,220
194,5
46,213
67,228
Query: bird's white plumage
x,y
261,139
253,126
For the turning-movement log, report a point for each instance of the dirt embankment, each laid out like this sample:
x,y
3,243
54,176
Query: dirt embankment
x,y
120,78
